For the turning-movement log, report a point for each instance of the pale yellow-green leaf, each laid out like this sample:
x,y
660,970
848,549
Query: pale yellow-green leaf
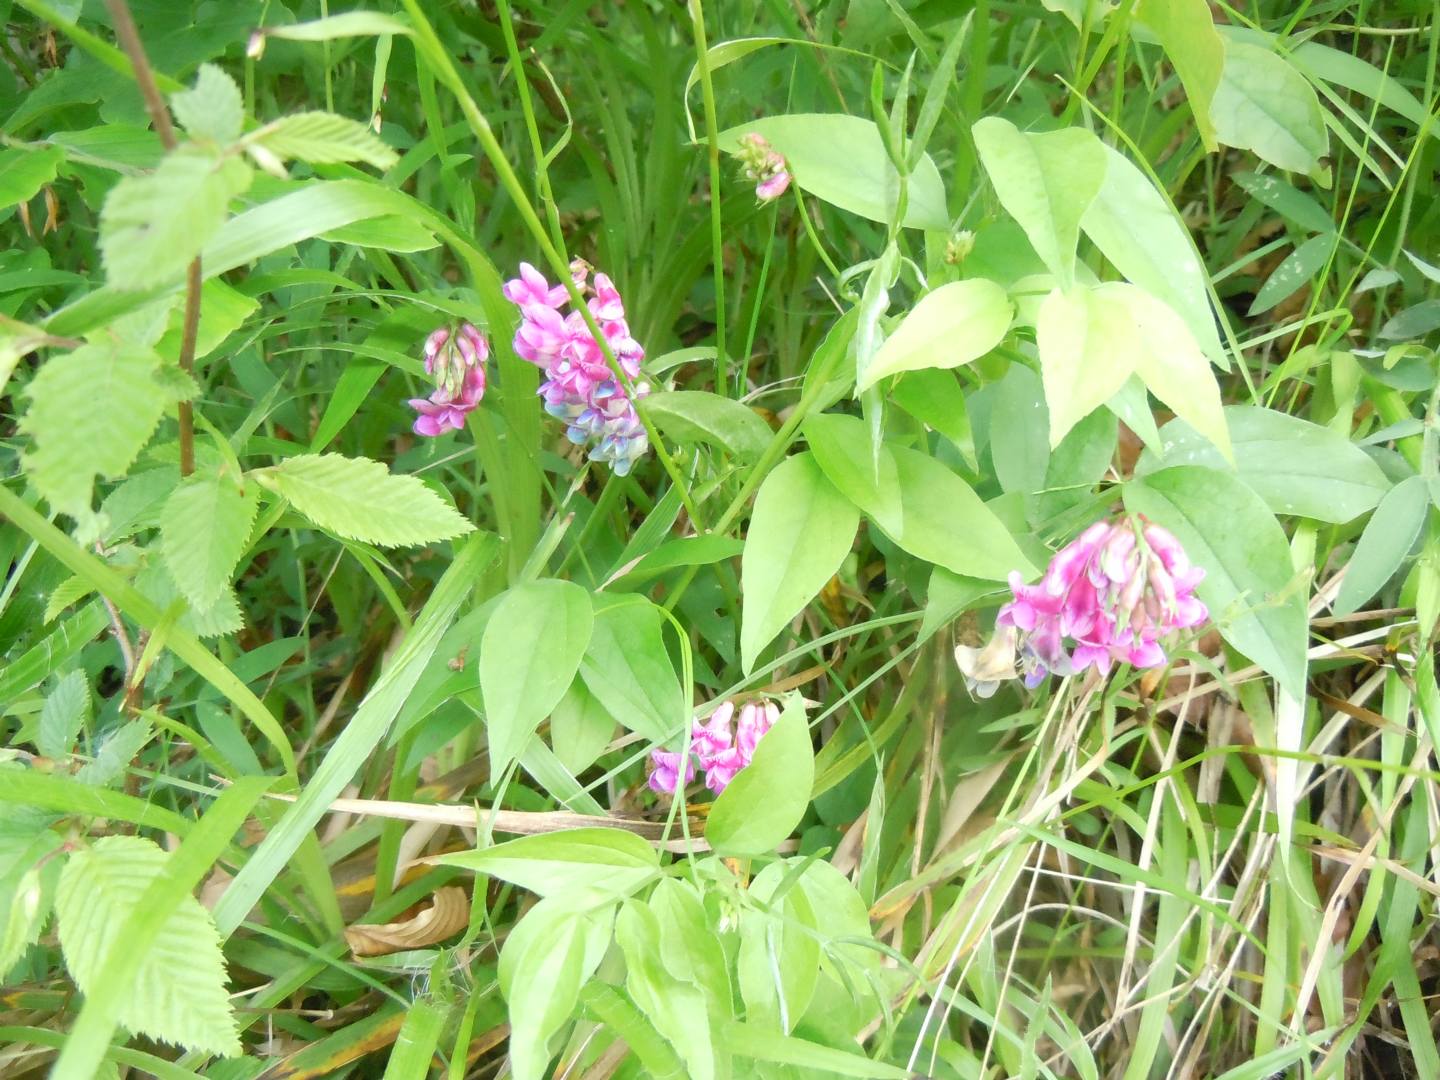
x,y
950,326
323,138
179,994
1087,348
204,530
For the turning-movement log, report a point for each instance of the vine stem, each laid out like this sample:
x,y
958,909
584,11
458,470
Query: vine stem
x,y
717,230
129,38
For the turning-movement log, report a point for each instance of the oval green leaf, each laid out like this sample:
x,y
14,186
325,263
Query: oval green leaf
x,y
952,325
766,800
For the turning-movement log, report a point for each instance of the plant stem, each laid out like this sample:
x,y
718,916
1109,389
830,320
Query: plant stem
x,y
717,234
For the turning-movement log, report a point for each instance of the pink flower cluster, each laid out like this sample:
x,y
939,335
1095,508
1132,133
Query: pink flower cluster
x,y
1114,592
720,752
765,165
579,387
456,361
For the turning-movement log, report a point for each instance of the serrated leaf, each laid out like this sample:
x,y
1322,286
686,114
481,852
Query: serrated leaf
x,y
69,591
76,438
952,325
62,715
179,994
152,226
361,500
212,108
116,750
220,618
323,139
204,529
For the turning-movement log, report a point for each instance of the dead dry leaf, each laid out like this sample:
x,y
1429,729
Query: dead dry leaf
x,y
448,914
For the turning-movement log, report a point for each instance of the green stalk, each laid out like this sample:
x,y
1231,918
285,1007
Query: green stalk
x,y
717,242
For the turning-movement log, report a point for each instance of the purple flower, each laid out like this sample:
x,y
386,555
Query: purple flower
x,y
579,387
1112,594
765,165
721,752
456,362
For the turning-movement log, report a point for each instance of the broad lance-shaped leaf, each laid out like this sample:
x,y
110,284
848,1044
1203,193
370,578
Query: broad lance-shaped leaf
x,y
800,532
600,863
952,325
1383,545
323,139
1264,104
179,994
152,226
529,654
24,172
695,416
204,530
767,799
361,500
1187,31
842,160
1087,347
1045,182
1134,225
548,956
91,413
1297,467
628,670
1250,585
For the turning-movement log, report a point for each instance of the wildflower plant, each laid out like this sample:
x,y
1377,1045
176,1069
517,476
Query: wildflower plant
x,y
967,610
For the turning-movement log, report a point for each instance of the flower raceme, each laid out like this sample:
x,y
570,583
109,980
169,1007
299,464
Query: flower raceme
x,y
765,165
1112,594
580,388
720,751
456,361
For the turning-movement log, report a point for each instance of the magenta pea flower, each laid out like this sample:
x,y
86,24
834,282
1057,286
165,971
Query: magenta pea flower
x,y
765,165
579,387
1111,595
720,751
456,362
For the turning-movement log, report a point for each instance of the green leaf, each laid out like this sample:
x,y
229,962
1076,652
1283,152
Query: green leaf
x,y
24,172
1293,273
223,310
1413,322
583,867
842,160
1088,346
76,441
152,226
1187,32
677,1008
1387,539
179,994
690,947
629,672
222,616
362,500
862,473
323,138
1297,467
212,109
779,960
1263,104
350,24
204,530
1285,199
63,715
390,233
1045,182
948,595
1019,423
580,728
952,325
695,416
761,807
1135,227
800,532
115,751
934,397
1228,532
1171,365
28,872
546,959
529,655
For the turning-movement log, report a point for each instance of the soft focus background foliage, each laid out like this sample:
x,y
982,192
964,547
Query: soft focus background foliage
x,y
326,744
